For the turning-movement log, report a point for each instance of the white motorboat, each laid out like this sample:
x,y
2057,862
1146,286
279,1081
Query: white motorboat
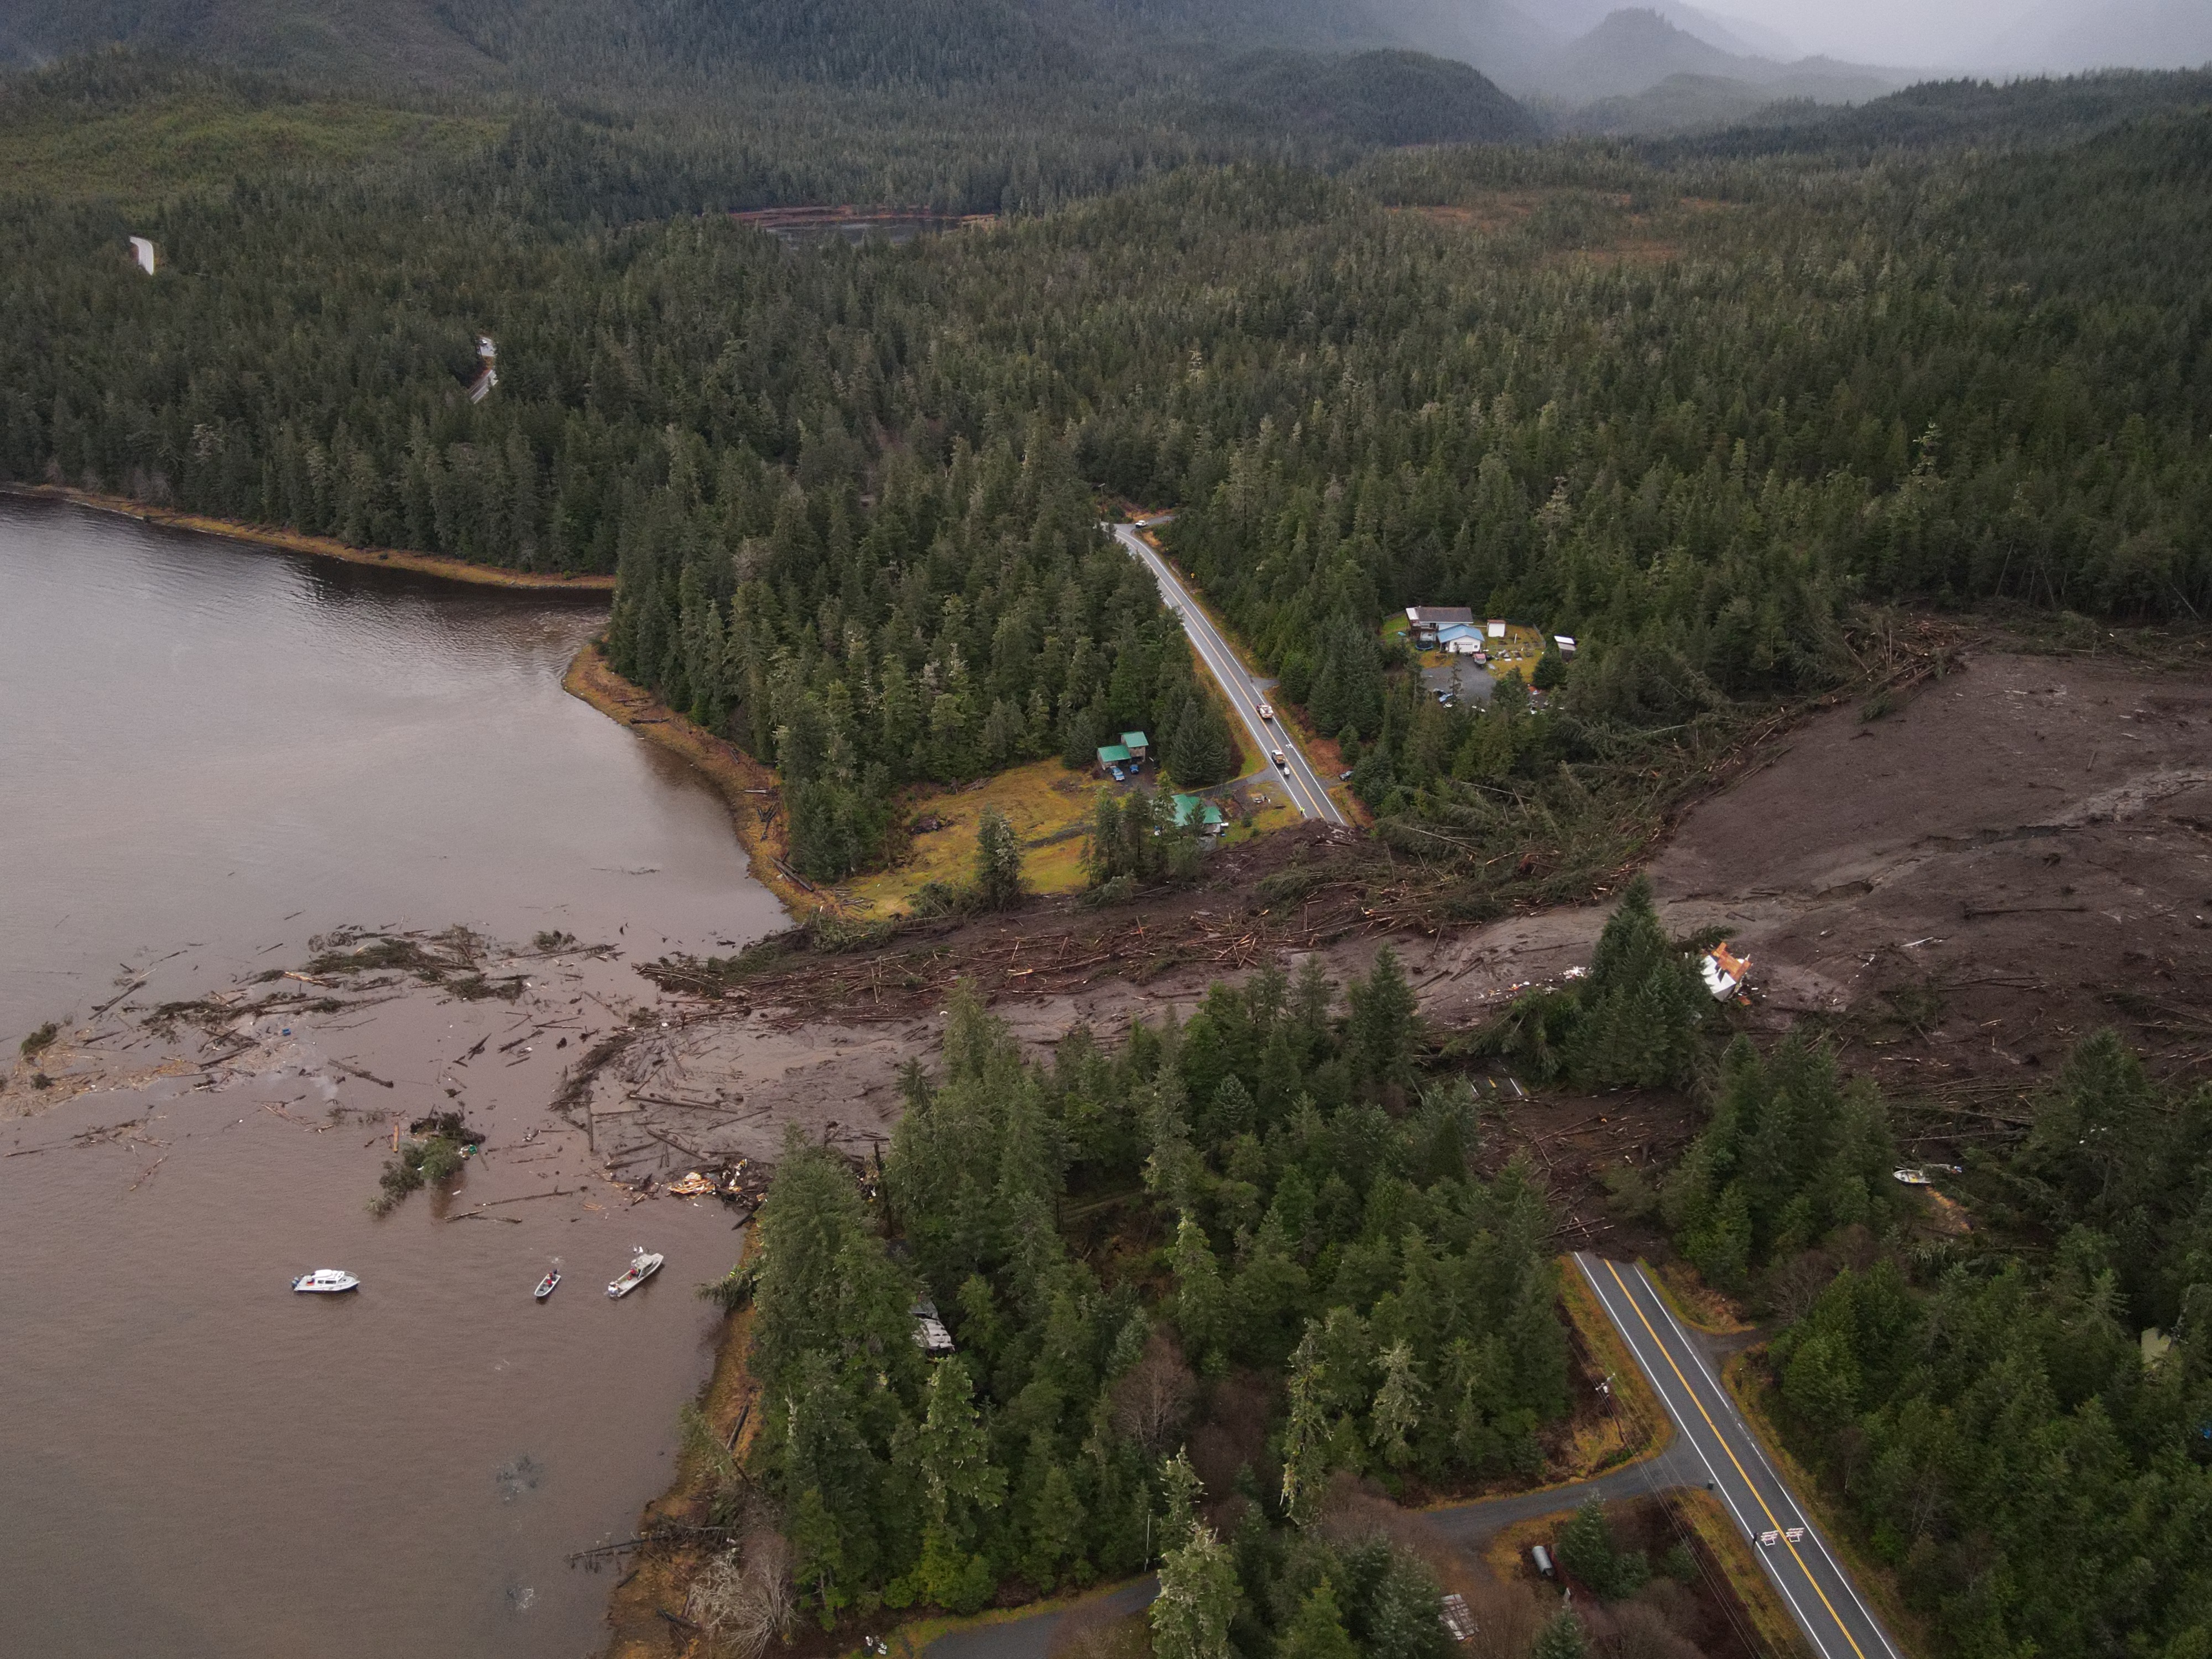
x,y
325,1281
546,1286
642,1267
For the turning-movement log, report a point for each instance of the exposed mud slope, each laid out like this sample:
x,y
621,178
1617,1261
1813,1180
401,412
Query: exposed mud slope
x,y
2020,854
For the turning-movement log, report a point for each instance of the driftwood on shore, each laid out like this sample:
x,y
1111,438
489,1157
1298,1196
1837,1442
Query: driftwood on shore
x,y
670,1532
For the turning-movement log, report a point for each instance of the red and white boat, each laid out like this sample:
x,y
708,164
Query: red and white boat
x,y
642,1267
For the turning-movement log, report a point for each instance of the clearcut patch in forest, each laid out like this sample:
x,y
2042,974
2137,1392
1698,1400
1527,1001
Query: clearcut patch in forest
x,y
1573,223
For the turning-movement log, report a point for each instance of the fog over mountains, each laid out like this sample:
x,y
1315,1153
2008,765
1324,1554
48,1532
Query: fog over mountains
x,y
1578,65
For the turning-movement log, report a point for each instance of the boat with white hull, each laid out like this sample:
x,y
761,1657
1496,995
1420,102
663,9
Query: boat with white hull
x,y
642,1267
325,1281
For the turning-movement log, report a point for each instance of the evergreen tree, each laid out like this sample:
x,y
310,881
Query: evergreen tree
x,y
1587,1550
1318,1632
1306,1431
1190,1617
999,882
1397,1409
1382,1029
1201,1307
1561,1637
963,1487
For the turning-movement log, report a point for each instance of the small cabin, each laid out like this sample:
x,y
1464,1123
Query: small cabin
x,y
1139,745
1111,756
1207,815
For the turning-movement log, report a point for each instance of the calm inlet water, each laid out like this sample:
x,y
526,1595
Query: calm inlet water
x,y
211,753
202,743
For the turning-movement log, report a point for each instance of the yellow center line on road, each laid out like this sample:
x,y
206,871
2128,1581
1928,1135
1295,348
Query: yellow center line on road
x,y
1613,1269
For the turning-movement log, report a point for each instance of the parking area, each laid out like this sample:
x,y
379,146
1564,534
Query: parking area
x,y
1458,676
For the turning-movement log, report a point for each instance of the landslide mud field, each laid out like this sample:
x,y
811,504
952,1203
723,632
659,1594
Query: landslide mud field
x,y
1952,893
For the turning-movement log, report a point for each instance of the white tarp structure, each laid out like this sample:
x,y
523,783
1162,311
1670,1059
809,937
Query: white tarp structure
x,y
141,252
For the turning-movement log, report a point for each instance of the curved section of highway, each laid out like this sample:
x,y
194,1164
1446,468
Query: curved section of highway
x,y
1299,780
1716,1437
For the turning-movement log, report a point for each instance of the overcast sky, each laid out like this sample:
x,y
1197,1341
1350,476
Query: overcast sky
x,y
1906,31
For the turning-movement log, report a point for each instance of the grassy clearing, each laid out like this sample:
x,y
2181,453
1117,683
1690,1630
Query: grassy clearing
x,y
146,155
1517,653
1048,806
1505,1550
1696,1302
1638,1426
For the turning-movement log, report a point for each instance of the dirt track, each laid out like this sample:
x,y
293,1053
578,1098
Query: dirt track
x,y
1957,891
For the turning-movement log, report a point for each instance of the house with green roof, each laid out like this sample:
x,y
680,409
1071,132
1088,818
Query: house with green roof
x,y
1188,807
1137,744
1112,754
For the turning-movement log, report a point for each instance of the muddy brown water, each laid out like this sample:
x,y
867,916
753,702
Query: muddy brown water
x,y
213,753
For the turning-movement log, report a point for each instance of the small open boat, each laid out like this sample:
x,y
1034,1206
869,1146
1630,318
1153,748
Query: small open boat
x,y
325,1281
642,1267
545,1285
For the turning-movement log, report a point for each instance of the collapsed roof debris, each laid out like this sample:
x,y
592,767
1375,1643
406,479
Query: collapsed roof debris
x,y
1723,974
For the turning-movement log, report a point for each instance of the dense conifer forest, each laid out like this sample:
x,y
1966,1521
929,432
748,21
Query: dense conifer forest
x,y
1689,411
1318,1209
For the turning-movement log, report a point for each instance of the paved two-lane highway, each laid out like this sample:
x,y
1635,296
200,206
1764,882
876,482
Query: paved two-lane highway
x,y
1812,1581
1299,780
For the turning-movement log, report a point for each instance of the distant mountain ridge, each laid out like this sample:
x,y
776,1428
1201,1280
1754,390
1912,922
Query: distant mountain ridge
x,y
847,42
1635,49
1388,98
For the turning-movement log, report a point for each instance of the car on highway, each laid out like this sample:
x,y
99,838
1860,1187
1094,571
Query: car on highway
x,y
1282,760
1266,711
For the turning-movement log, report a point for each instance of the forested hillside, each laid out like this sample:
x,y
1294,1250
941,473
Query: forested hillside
x,y
1324,1221
2037,1471
866,471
